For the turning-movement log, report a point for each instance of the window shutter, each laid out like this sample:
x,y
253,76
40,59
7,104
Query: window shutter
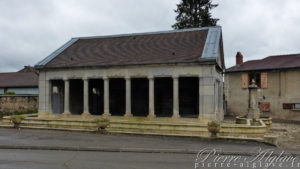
x,y
245,81
264,80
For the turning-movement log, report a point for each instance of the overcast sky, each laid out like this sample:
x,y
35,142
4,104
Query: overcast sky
x,y
32,29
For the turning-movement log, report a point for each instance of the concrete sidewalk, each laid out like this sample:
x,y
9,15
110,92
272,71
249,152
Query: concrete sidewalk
x,y
82,141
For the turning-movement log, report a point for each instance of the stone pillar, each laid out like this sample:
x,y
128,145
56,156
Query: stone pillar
x,y
67,97
253,111
207,103
201,100
106,97
175,98
50,91
128,97
151,98
86,110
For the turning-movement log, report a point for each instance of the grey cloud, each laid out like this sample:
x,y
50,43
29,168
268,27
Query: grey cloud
x,y
32,29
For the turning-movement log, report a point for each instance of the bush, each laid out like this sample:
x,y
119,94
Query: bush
x,y
9,93
17,117
213,124
102,120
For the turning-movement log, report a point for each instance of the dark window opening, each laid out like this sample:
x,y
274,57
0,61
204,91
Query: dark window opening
x,y
76,96
96,95
117,96
189,97
139,96
163,98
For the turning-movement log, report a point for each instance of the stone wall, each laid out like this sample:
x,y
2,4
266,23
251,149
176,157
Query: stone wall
x,y
18,104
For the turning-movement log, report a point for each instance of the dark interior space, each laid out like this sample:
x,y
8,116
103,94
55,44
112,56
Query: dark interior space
x,y
188,96
57,96
96,95
139,96
163,99
76,96
117,96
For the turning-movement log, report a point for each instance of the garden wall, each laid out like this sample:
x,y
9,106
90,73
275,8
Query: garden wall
x,y
18,104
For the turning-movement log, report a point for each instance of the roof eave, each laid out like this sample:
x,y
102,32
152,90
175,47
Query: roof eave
x,y
265,69
202,61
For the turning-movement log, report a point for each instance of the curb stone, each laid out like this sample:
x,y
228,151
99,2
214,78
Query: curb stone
x,y
132,150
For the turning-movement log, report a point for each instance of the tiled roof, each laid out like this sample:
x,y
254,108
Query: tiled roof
x,y
131,49
19,79
269,63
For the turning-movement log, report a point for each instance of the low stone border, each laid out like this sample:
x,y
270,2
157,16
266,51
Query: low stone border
x,y
132,150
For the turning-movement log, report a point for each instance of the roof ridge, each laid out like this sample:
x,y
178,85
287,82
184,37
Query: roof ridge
x,y
147,33
13,72
282,55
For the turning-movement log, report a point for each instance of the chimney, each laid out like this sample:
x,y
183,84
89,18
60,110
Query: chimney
x,y
239,58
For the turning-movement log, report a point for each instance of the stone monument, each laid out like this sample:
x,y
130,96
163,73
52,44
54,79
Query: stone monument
x,y
253,110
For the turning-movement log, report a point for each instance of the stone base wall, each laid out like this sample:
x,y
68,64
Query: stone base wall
x,y
18,104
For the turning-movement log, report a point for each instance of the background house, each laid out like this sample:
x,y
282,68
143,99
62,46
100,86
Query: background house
x,y
25,86
23,82
278,78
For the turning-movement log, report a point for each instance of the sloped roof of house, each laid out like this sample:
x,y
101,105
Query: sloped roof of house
x,y
269,63
18,79
176,46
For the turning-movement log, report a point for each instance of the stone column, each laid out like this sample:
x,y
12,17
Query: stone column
x,y
86,110
200,117
49,82
253,111
106,97
175,97
128,97
67,97
151,98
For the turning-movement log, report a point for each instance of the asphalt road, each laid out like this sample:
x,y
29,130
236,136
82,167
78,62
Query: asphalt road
x,y
62,158
36,159
47,159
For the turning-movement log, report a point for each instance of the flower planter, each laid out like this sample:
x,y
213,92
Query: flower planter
x,y
102,125
16,122
214,130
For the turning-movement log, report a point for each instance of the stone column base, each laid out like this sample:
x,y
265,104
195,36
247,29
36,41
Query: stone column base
x,y
151,116
175,117
253,113
66,114
128,115
85,114
106,114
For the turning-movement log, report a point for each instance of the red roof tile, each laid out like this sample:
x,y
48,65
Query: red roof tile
x,y
19,79
129,50
269,63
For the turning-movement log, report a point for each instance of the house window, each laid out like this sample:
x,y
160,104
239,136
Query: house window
x,y
297,106
291,106
256,77
260,78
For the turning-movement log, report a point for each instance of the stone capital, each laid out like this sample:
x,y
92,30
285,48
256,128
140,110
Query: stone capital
x,y
150,77
66,79
175,76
